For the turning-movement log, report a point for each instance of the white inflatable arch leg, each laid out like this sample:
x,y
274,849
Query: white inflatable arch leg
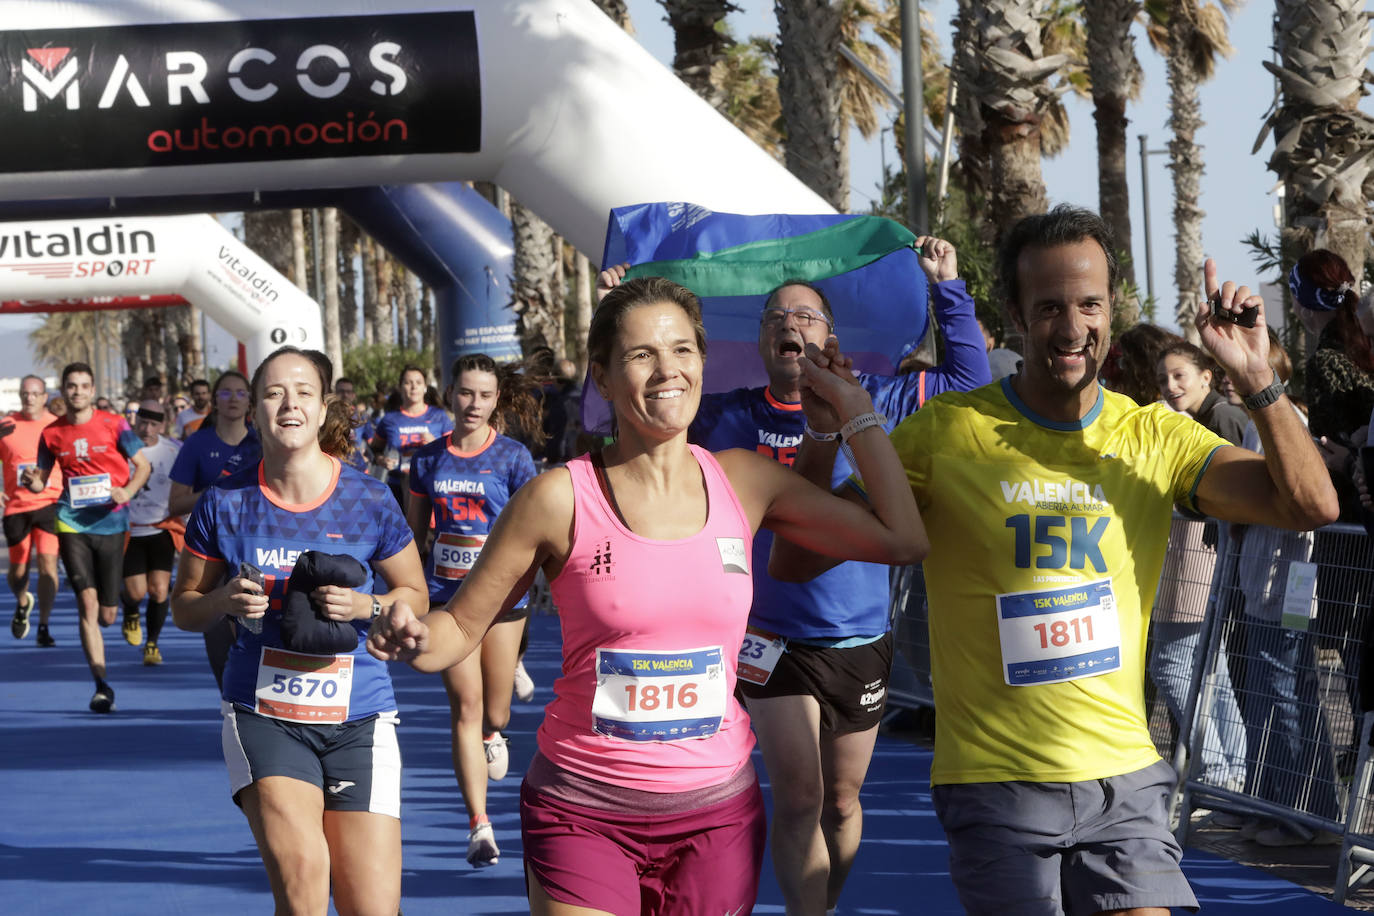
x,y
190,256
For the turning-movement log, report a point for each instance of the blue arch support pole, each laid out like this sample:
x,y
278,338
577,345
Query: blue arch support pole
x,y
462,247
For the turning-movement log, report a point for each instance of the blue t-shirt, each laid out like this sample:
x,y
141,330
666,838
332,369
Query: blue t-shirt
x,y
468,490
236,521
850,600
405,433
205,457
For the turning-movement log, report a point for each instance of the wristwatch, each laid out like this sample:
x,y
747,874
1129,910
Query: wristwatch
x,y
1265,396
376,608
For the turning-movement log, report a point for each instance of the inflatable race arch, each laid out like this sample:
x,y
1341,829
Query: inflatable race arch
x,y
191,257
122,99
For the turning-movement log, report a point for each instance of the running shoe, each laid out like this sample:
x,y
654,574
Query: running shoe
x,y
498,758
19,626
524,684
103,700
151,655
133,630
45,640
482,849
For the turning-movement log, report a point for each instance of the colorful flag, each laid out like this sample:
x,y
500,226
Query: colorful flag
x,y
865,265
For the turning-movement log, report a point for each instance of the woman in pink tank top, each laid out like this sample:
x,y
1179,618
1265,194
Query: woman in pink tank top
x,y
642,798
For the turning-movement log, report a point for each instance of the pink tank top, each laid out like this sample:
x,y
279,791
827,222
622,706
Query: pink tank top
x,y
651,635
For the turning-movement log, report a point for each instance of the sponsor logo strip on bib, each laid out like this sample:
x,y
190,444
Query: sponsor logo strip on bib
x,y
644,695
1059,634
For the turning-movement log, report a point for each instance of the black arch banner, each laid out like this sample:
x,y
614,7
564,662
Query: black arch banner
x,y
200,93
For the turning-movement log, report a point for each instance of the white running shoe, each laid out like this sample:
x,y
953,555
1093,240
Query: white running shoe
x,y
498,758
524,684
482,849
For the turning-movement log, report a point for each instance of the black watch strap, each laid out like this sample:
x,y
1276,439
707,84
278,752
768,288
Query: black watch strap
x,y
1265,396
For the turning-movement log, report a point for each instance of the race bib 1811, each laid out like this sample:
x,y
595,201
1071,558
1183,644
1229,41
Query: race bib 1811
x,y
1059,634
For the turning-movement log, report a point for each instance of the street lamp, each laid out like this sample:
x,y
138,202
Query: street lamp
x,y
1145,154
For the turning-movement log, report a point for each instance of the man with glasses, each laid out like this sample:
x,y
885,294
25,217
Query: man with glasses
x,y
814,667
30,518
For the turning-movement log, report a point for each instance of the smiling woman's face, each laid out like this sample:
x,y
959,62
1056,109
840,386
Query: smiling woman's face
x,y
289,404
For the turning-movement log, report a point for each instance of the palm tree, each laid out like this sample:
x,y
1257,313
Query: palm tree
x,y
749,92
1325,145
348,241
808,53
1005,70
1116,77
618,11
538,307
329,257
700,41
1193,36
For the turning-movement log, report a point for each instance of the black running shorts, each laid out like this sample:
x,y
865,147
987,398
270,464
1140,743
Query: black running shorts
x,y
149,552
849,684
94,561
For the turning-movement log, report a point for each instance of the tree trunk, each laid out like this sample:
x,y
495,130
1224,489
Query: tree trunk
x,y
1325,144
195,368
582,317
329,256
698,45
348,280
299,274
1018,186
974,166
368,256
384,312
809,89
617,10
1113,68
412,303
1185,159
427,322
536,307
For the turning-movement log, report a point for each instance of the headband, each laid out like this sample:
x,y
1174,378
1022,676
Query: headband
x,y
1313,297
155,416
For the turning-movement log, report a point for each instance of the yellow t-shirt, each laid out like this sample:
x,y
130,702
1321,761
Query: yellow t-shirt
x,y
1046,546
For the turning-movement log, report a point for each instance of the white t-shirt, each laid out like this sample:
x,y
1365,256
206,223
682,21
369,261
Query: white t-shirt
x,y
149,505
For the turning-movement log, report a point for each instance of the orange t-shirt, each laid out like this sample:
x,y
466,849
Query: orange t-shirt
x,y
18,450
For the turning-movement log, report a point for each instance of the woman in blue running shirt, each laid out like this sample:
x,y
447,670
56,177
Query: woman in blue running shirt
x,y
309,738
462,482
400,433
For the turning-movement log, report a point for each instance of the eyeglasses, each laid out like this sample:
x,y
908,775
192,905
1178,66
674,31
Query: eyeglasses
x,y
805,318
225,394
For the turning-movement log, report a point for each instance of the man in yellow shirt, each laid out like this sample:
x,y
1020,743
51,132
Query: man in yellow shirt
x,y
1052,498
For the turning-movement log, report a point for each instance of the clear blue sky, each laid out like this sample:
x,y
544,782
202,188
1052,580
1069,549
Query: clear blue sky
x,y
1236,189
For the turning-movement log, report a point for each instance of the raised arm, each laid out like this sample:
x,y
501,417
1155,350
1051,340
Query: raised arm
x,y
816,520
534,529
1288,487
965,365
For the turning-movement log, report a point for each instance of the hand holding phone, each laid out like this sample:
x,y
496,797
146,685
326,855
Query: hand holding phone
x,y
1245,317
252,574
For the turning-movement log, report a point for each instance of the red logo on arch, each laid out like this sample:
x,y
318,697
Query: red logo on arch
x,y
49,58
